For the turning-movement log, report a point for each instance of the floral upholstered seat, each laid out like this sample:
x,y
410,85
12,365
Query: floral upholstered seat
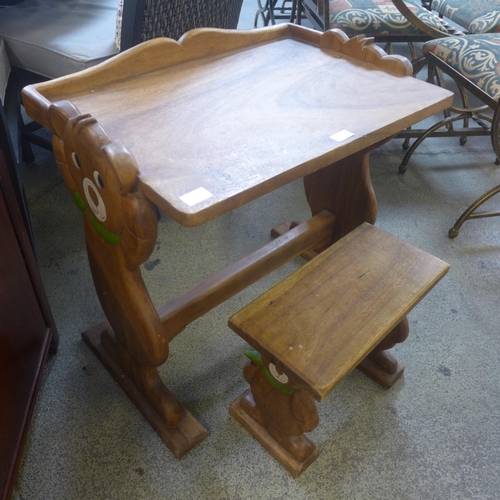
x,y
379,18
475,57
478,16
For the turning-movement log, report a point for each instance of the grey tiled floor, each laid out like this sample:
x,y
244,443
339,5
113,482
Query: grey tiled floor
x,y
434,435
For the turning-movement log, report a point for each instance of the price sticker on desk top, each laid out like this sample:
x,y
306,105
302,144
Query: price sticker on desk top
x,y
341,136
197,196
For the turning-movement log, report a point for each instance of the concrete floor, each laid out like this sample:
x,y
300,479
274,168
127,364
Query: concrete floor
x,y
434,435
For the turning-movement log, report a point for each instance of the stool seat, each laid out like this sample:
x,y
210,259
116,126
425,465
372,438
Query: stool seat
x,y
341,310
323,320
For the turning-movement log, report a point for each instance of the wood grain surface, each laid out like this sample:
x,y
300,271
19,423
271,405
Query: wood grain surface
x,y
242,113
324,319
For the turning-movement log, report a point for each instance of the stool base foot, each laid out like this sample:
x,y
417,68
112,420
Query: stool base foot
x,y
376,373
260,433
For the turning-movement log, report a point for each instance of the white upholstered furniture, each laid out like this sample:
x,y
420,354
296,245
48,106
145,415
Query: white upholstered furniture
x,y
54,38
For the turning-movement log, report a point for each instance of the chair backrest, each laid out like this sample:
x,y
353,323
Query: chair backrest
x,y
12,167
476,16
4,71
147,19
424,27
373,18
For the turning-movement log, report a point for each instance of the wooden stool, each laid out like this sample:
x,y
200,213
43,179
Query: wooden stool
x,y
341,310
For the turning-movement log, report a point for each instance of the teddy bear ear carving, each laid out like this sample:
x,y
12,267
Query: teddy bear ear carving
x,y
63,112
60,113
125,165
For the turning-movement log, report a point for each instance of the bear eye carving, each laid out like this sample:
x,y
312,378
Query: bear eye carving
x,y
98,179
76,161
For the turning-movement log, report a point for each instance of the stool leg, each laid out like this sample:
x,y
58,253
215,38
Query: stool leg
x,y
277,416
380,365
285,416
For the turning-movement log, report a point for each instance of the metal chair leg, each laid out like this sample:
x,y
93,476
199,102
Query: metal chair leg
x,y
469,213
446,122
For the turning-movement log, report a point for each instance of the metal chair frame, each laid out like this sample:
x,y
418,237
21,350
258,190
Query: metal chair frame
x,y
269,12
486,118
493,131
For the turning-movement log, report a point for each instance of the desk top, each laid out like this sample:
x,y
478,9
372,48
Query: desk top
x,y
227,116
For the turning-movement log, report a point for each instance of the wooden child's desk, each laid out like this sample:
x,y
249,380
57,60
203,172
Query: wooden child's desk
x,y
199,128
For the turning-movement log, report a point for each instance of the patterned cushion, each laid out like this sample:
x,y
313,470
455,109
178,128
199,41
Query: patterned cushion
x,y
378,18
476,57
479,16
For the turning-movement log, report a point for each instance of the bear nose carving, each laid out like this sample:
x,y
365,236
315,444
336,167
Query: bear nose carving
x,y
280,377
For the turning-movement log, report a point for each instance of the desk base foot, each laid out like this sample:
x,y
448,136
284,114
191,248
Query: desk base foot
x,y
260,433
179,438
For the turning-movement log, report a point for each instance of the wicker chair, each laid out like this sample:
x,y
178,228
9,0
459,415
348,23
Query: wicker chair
x,y
146,19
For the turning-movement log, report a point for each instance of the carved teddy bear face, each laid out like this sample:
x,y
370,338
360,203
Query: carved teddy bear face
x,y
103,173
91,190
100,173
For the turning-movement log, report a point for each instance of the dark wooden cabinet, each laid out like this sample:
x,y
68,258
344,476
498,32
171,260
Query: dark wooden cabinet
x,y
27,330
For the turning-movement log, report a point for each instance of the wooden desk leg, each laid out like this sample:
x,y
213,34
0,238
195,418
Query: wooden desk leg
x,y
380,365
137,341
278,420
345,190
120,231
135,344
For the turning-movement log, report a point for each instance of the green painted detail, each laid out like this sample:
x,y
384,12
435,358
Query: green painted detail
x,y
277,385
79,202
256,358
107,236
